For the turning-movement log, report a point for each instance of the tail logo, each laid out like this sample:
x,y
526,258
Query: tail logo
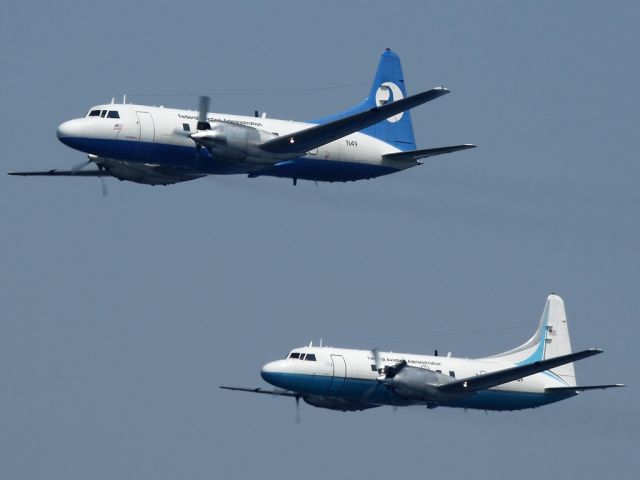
x,y
389,92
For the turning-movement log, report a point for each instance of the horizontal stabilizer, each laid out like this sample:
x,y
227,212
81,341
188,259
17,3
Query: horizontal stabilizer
x,y
314,137
493,379
428,152
282,393
63,173
582,389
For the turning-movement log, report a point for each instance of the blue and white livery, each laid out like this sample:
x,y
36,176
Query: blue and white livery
x,y
537,373
161,146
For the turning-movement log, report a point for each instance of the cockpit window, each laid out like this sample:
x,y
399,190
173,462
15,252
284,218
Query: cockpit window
x,y
311,357
302,356
294,355
113,114
103,113
94,113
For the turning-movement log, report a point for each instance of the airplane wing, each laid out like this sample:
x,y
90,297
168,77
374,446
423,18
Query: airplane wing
x,y
62,173
428,152
583,388
314,137
493,379
282,393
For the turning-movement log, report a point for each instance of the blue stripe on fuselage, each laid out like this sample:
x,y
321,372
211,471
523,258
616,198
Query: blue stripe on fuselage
x,y
184,157
373,392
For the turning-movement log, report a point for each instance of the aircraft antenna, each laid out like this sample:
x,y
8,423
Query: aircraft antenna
x,y
320,341
113,100
124,99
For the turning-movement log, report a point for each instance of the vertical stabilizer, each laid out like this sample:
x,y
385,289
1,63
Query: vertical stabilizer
x,y
388,86
550,340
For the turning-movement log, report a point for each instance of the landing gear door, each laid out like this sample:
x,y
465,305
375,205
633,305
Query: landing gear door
x,y
147,133
339,373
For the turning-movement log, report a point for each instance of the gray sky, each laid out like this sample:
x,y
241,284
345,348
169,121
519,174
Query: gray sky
x,y
122,315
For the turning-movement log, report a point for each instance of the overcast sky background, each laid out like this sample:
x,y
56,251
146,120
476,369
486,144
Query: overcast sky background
x,y
122,315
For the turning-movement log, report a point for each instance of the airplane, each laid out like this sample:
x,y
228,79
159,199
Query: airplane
x,y
536,373
163,146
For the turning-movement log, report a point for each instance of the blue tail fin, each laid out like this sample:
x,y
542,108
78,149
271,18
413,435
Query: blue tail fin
x,y
388,86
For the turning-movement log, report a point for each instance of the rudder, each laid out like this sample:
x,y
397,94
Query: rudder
x,y
550,340
388,86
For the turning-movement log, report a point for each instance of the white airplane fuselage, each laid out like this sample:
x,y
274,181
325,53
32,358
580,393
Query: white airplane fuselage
x,y
156,139
536,373
351,375
161,146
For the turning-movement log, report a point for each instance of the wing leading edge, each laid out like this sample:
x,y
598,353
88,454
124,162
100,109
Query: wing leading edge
x,y
63,173
281,393
314,137
493,379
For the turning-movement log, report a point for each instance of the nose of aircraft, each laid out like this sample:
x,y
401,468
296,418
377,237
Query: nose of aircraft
x,y
272,371
67,130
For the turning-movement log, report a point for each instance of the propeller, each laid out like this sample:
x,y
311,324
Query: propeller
x,y
203,110
203,123
375,353
297,408
81,166
387,372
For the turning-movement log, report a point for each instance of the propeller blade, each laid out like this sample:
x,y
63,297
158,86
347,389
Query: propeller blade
x,y
375,353
103,186
80,166
203,110
297,408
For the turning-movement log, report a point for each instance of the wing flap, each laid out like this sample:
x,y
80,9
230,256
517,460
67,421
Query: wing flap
x,y
427,152
316,136
493,379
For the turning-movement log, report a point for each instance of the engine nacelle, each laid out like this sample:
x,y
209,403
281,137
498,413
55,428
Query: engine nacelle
x,y
234,142
419,383
334,403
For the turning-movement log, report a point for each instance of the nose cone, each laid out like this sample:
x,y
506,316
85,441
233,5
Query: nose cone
x,y
74,133
273,372
67,130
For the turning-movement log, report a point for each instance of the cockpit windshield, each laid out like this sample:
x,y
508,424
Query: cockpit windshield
x,y
104,113
303,356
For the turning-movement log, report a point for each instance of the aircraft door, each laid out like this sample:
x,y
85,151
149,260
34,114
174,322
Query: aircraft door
x,y
146,133
339,373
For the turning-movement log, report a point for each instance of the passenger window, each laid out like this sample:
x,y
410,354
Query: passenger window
x,y
438,371
452,373
94,113
311,357
185,127
294,355
113,114
103,113
373,368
